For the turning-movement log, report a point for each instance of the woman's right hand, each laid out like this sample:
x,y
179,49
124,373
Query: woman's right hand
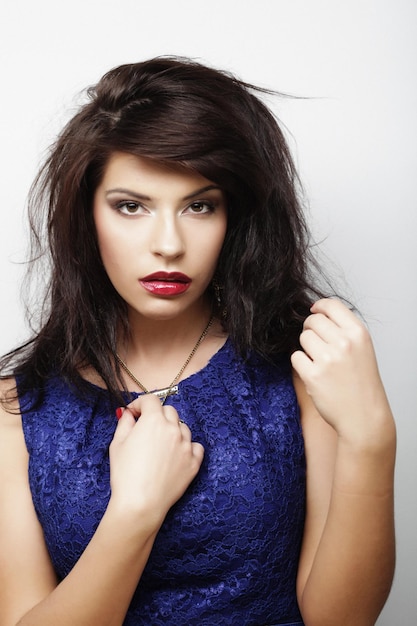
x,y
152,459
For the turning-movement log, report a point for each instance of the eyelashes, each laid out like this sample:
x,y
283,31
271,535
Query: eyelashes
x,y
200,207
133,208
128,207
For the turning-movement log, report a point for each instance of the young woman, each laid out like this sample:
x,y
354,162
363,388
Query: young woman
x,y
195,435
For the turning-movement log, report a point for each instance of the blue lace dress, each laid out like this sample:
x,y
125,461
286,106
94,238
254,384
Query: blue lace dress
x,y
227,553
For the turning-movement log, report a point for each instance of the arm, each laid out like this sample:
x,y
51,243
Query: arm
x,y
99,588
348,553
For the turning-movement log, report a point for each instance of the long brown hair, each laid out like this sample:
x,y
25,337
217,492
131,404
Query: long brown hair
x,y
168,109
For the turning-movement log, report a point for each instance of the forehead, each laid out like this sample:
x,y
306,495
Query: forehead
x,y
131,170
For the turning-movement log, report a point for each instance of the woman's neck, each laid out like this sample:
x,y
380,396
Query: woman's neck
x,y
153,336
158,349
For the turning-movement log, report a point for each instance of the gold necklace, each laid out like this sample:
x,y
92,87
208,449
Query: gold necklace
x,y
172,388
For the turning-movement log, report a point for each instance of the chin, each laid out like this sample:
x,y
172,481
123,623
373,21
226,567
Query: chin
x,y
164,311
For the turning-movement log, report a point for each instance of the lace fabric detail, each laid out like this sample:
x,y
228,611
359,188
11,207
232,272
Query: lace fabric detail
x,y
227,553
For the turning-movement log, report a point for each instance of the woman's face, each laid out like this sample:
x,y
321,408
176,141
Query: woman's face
x,y
160,230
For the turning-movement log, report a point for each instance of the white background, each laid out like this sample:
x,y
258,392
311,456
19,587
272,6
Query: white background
x,y
354,140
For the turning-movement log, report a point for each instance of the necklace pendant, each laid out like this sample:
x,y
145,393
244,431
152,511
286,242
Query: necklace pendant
x,y
164,393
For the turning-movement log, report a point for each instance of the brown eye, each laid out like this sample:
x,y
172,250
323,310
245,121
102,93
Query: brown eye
x,y
128,207
197,208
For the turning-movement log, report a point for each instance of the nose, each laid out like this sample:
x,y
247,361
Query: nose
x,y
167,238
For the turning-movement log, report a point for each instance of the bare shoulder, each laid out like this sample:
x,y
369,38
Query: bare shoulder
x,y
13,452
8,393
10,419
26,574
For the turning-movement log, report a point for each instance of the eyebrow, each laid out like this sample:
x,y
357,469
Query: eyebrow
x,y
140,196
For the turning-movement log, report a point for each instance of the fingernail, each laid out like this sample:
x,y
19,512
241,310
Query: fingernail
x,y
119,412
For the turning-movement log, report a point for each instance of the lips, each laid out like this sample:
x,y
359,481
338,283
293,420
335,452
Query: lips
x,y
166,283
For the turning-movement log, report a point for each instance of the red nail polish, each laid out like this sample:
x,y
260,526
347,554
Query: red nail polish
x,y
119,412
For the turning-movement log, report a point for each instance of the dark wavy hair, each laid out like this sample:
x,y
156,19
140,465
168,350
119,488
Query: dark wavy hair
x,y
171,110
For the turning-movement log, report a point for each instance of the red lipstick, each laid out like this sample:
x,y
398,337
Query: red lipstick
x,y
166,283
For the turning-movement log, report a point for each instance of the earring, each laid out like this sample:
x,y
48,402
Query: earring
x,y
218,291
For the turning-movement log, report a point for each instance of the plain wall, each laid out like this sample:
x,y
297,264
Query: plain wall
x,y
354,139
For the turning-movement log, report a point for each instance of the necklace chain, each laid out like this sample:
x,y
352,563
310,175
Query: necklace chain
x,y
164,393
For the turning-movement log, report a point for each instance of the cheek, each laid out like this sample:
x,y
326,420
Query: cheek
x,y
111,250
218,240
104,242
210,248
113,241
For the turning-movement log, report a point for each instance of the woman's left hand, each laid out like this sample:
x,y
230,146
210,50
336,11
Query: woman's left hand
x,y
340,373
